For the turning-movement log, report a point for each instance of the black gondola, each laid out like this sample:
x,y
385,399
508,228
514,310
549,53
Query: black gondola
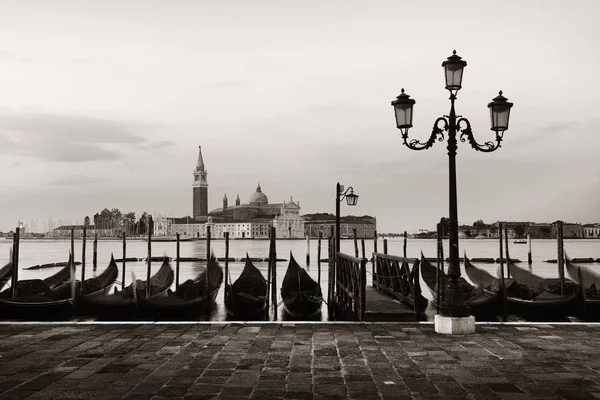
x,y
302,296
589,282
190,298
124,303
247,296
483,304
537,298
100,285
36,299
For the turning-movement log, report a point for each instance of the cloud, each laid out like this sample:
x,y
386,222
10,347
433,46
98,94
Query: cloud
x,y
76,180
12,56
71,138
161,144
78,152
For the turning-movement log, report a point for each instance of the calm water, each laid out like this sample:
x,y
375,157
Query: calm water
x,y
33,252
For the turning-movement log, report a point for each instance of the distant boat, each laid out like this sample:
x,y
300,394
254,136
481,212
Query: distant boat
x,y
520,241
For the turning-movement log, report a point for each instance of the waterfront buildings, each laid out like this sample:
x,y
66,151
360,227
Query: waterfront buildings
x,y
591,230
242,220
365,226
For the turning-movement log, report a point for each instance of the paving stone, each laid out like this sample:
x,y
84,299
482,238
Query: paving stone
x,y
236,361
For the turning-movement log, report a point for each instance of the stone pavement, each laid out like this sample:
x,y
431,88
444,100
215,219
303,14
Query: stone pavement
x,y
301,361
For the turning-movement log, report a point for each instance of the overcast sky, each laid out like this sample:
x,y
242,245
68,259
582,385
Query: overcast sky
x,y
104,104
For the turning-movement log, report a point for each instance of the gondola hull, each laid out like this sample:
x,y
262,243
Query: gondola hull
x,y
174,308
36,308
483,304
189,301
123,304
302,305
589,306
301,294
246,298
245,308
556,309
545,306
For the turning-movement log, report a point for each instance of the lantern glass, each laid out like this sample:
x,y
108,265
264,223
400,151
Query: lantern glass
x,y
453,76
499,113
404,114
403,108
351,199
453,68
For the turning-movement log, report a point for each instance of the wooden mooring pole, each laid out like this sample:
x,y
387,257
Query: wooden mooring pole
x,y
307,249
83,259
274,273
404,245
149,260
73,243
269,277
124,262
529,260
502,286
385,249
226,260
561,257
362,246
319,258
355,243
15,262
507,255
95,252
177,261
72,265
208,255
440,264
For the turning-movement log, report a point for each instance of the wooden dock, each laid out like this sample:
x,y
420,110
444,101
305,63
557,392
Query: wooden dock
x,y
382,308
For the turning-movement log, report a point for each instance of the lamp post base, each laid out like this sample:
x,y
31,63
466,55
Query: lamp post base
x,y
454,325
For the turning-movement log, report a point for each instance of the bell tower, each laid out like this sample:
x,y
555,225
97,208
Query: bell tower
x,y
200,188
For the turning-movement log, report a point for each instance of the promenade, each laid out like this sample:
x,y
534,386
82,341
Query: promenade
x,y
297,361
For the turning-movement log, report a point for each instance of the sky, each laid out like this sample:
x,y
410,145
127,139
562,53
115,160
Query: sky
x,y
103,104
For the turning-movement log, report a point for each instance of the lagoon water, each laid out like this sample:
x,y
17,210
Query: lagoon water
x,y
34,252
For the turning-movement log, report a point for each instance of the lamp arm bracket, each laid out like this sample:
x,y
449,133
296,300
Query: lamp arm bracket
x,y
343,195
467,134
437,133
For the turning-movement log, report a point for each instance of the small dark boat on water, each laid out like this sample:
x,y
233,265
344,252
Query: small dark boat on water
x,y
302,296
247,296
483,304
124,303
589,282
537,298
37,299
191,297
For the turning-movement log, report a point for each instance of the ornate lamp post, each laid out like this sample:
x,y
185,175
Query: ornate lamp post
x,y
453,305
351,200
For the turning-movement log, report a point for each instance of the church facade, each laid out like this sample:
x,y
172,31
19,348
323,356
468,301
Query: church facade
x,y
251,220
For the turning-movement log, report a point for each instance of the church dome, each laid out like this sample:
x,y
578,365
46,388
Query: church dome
x,y
258,198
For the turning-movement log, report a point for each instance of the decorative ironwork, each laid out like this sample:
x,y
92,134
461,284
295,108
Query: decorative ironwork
x,y
467,134
436,133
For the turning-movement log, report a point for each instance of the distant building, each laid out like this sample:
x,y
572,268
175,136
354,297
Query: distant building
x,y
570,230
322,222
250,220
64,232
591,230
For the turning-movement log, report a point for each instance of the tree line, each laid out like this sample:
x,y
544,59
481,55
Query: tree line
x,y
116,220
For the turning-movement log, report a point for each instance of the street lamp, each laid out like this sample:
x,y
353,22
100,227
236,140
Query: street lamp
x,y
351,200
453,304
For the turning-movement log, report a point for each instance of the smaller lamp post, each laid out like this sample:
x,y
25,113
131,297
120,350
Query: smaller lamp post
x,y
351,200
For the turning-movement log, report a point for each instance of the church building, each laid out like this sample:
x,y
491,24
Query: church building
x,y
250,220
